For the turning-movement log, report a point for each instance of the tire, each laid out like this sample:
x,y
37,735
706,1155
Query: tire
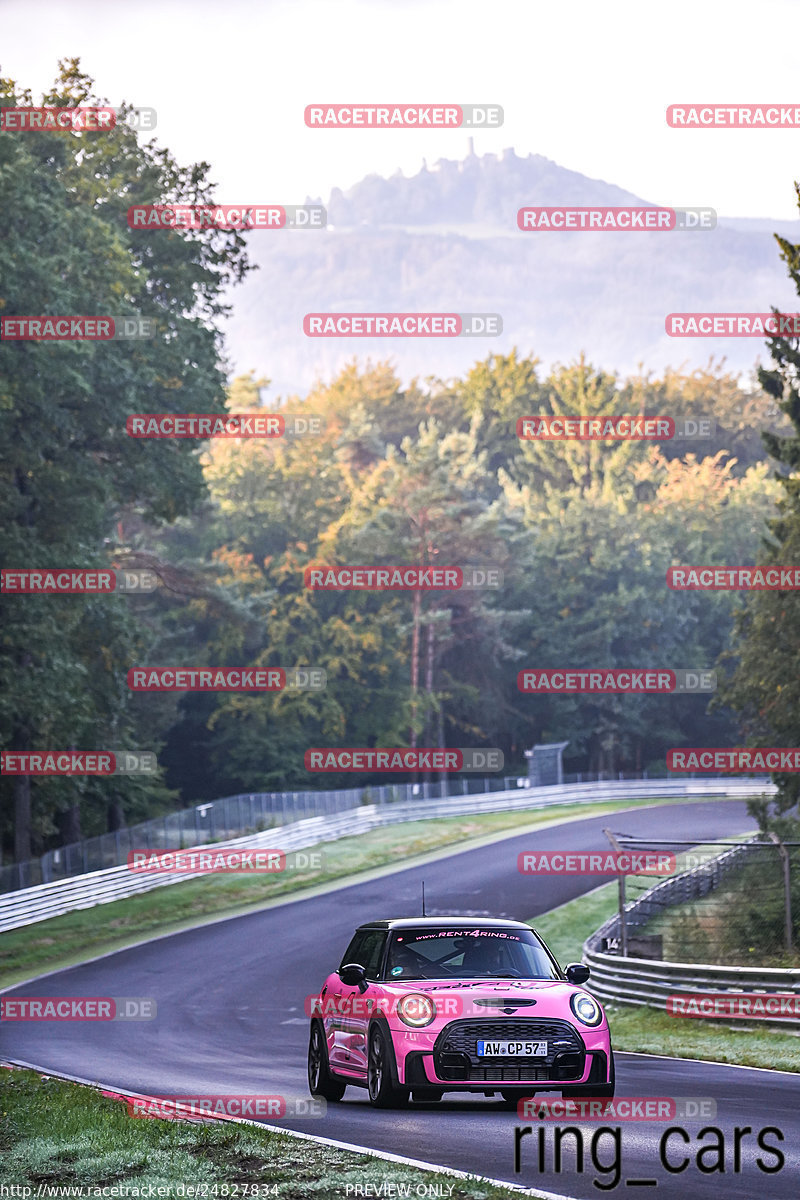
x,y
382,1088
605,1091
320,1080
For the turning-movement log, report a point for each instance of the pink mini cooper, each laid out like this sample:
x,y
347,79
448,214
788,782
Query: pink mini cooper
x,y
427,1005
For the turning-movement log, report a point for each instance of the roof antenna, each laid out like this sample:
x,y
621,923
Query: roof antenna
x,y
423,897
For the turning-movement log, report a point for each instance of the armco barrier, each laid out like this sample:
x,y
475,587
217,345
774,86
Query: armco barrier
x,y
45,900
116,883
231,817
645,981
250,812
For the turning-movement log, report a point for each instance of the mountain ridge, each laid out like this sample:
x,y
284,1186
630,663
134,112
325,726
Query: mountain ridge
x,y
445,240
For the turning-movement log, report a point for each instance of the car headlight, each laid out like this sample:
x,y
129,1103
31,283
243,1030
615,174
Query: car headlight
x,y
586,1008
416,1010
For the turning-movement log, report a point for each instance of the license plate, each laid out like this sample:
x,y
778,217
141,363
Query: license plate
x,y
512,1049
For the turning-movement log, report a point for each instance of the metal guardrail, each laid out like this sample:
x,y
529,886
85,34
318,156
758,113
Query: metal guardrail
x,y
30,905
116,883
228,817
646,981
251,812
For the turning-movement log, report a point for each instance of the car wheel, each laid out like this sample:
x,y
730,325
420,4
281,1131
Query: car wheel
x,y
382,1072
604,1091
320,1081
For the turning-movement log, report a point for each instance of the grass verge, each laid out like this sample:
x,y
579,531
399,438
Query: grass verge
x,y
57,1134
64,941
649,1030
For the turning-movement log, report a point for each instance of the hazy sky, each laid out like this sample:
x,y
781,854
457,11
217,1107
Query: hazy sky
x,y
582,82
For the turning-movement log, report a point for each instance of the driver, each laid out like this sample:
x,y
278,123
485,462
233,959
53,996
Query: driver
x,y
403,961
484,958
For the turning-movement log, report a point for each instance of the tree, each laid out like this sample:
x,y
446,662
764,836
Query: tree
x,y
765,684
429,504
72,477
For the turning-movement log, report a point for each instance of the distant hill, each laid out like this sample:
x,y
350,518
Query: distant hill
x,y
446,240
484,191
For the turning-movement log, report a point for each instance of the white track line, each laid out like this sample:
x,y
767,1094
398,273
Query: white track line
x,y
307,1137
707,1062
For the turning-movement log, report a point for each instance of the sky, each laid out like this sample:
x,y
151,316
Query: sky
x,y
584,83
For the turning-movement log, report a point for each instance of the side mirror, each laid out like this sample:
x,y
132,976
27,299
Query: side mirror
x,y
354,975
577,973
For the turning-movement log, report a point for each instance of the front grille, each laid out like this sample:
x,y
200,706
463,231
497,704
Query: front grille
x,y
455,1053
519,1074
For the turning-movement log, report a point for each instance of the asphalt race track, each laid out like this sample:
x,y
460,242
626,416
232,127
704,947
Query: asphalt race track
x,y
231,1020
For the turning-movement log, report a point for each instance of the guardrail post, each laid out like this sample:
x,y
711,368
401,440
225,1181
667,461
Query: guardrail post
x,y
787,890
623,931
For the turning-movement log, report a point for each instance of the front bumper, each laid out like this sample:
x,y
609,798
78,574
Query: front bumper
x,y
449,1058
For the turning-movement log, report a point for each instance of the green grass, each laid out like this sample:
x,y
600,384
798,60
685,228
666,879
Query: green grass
x,y
649,1030
61,1134
567,927
740,923
69,939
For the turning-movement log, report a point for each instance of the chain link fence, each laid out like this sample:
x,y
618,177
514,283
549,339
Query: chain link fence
x,y
730,904
218,820
252,812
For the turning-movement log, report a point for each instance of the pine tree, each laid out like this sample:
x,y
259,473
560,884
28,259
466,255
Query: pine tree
x,y
765,687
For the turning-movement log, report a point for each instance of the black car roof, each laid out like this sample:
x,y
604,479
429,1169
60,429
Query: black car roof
x,y
444,922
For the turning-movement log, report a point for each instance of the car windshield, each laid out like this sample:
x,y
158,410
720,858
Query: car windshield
x,y
468,953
